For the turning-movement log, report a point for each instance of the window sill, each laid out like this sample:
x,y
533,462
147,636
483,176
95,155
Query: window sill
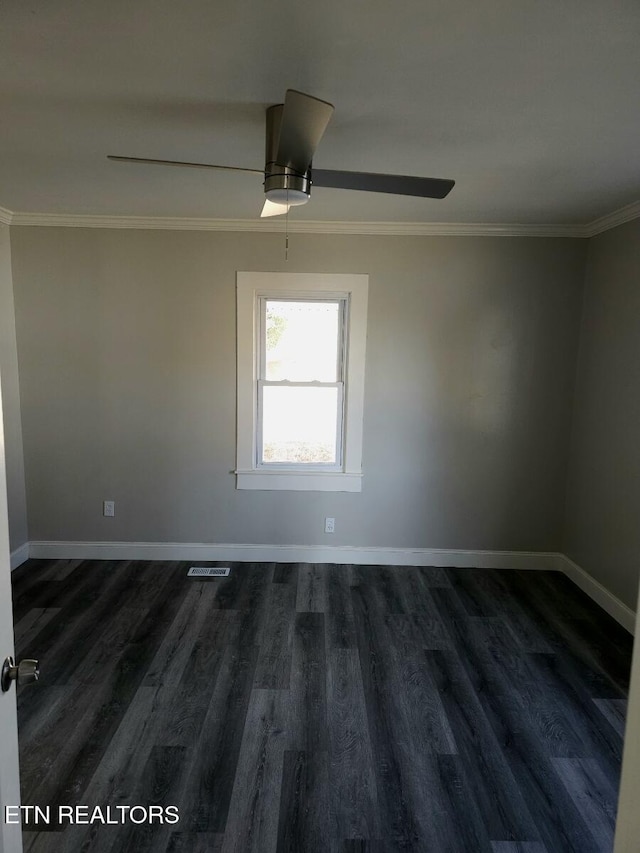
x,y
299,481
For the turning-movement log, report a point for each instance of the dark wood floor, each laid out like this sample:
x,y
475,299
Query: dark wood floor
x,y
306,708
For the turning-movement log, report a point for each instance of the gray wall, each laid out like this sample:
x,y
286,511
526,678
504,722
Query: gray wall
x,y
18,533
127,361
602,531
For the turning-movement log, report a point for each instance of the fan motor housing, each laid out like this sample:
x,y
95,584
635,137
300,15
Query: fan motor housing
x,y
284,185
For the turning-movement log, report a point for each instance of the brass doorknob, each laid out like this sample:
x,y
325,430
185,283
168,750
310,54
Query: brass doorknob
x,y
26,672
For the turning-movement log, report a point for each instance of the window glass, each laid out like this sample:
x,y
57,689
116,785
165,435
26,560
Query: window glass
x,y
299,425
302,341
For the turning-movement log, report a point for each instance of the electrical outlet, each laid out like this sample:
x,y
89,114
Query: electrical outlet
x,y
109,508
329,525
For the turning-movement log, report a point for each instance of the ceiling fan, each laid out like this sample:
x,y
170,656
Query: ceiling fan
x,y
293,132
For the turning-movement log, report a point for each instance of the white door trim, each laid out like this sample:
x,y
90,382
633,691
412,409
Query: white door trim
x,y
10,833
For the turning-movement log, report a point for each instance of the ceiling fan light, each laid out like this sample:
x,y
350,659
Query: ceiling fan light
x,y
290,196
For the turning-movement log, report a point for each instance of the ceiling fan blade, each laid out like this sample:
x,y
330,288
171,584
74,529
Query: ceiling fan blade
x,y
181,163
304,121
272,208
377,183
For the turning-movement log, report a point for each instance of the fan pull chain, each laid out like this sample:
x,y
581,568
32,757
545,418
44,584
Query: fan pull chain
x,y
286,237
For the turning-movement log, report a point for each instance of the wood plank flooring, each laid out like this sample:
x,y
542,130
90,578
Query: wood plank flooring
x,y
295,708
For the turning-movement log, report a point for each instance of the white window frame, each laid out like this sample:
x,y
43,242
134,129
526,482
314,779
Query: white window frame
x,y
251,288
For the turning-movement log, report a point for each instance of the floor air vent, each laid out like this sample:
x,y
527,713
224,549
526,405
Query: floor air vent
x,y
206,572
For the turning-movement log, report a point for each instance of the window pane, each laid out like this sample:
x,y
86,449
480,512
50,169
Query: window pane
x,y
299,425
302,341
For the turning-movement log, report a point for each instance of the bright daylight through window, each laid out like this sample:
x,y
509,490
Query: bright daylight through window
x,y
301,386
301,347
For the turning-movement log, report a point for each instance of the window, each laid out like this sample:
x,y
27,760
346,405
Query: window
x,y
301,347
301,382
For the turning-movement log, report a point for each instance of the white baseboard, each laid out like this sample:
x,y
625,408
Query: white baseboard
x,y
203,551
600,594
20,556
293,554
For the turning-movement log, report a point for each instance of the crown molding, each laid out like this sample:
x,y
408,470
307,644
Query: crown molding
x,y
271,226
612,220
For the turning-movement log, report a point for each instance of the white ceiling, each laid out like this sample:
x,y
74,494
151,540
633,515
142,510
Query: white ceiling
x,y
532,106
